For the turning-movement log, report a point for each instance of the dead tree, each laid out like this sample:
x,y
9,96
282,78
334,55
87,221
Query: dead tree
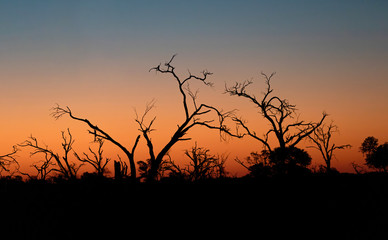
x,y
7,160
194,115
63,165
321,138
97,161
281,115
202,165
43,167
97,132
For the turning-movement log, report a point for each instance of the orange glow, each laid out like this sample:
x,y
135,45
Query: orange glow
x,y
110,105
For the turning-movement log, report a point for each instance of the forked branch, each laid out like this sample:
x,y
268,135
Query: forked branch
x,y
97,132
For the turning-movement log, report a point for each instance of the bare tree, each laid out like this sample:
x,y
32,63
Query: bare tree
x,y
43,168
97,161
202,165
194,115
322,137
97,132
63,165
284,121
7,160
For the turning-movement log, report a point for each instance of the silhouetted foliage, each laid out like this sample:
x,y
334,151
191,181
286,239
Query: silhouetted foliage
x,y
258,164
144,168
369,146
376,156
287,161
290,160
322,137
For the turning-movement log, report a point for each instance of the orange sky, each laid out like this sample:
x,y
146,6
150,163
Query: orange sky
x,y
95,57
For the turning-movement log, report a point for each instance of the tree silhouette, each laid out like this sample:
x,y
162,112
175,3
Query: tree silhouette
x,y
376,156
202,165
194,116
97,132
289,160
97,161
379,158
281,115
7,160
322,137
258,164
43,168
63,165
369,146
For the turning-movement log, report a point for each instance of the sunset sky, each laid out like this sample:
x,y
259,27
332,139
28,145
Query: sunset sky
x,y
95,56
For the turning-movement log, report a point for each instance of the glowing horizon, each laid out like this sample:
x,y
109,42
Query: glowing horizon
x,y
95,56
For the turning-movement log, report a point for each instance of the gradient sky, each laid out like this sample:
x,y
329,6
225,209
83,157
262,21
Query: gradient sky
x,y
94,56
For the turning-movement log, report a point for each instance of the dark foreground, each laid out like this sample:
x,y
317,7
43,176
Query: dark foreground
x,y
314,207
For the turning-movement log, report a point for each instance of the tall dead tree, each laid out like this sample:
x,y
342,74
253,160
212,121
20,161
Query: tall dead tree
x,y
97,132
321,138
281,115
194,113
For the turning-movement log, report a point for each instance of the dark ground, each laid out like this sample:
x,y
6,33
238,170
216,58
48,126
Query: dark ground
x,y
315,207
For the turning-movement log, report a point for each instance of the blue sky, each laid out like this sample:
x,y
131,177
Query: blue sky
x,y
112,26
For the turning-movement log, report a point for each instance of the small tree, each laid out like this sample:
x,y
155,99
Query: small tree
x,y
7,160
63,165
284,161
376,156
379,159
202,165
98,162
43,168
322,137
290,160
369,146
258,163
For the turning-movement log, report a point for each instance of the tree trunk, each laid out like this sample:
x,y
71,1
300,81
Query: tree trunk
x,y
328,166
117,167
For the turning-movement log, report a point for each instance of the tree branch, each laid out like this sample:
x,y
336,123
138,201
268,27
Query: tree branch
x,y
97,132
